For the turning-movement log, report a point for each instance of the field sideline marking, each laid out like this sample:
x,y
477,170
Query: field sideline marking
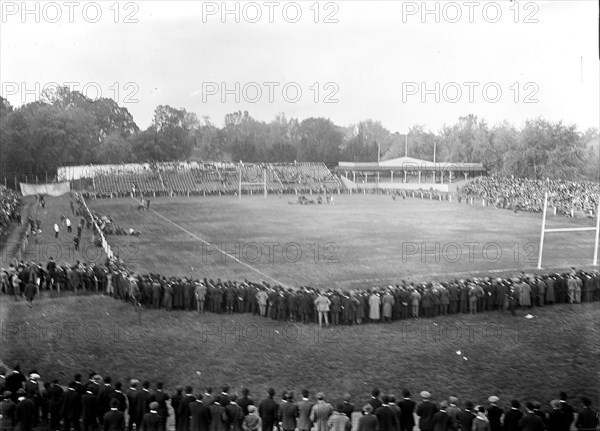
x,y
222,251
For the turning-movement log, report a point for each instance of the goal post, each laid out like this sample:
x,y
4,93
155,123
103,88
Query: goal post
x,y
568,229
241,183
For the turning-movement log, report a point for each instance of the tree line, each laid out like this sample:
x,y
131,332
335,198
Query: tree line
x,y
65,127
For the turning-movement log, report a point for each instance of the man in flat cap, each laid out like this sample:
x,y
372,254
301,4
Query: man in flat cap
x,y
494,413
407,408
425,410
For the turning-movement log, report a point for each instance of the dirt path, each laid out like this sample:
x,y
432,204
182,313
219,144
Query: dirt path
x,y
8,248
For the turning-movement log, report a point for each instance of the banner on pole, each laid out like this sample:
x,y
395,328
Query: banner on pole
x,y
56,189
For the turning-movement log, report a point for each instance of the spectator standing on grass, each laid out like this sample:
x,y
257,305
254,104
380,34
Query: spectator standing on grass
x,y
114,420
442,421
320,413
556,418
368,421
466,416
407,408
7,412
305,406
30,292
530,421
567,409
218,415
267,410
56,230
200,415
494,413
152,420
513,416
252,421
338,421
25,412
588,417
426,410
374,306
322,304
388,421
481,421
68,223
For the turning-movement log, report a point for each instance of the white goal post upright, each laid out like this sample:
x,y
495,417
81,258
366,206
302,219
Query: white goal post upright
x,y
241,183
569,229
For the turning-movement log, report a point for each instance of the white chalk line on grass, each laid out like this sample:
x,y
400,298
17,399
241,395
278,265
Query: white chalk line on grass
x,y
217,248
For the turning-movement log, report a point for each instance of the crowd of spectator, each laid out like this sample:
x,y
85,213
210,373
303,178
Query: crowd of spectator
x,y
10,203
100,403
304,304
522,194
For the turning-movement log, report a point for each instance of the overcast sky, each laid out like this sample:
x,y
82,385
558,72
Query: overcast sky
x,y
368,59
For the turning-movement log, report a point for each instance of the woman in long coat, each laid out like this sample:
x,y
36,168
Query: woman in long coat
x,y
374,306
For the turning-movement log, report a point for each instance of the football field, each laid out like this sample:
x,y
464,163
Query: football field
x,y
361,241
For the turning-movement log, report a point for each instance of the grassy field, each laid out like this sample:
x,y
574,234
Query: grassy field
x,y
511,357
374,240
360,242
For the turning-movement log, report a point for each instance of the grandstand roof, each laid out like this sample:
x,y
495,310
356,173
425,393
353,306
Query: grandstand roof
x,y
411,164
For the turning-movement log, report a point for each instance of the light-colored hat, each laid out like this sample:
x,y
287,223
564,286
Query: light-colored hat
x,y
493,399
425,395
34,376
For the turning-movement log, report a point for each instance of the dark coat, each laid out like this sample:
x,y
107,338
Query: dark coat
x,y
425,411
407,407
388,421
152,422
71,404
368,423
114,420
200,416
442,422
24,415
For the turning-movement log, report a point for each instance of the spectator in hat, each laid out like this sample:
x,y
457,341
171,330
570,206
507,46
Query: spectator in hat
x,y
513,416
252,421
152,420
494,413
567,410
235,414
321,412
218,417
442,420
407,408
453,409
114,419
305,406
25,412
388,421
288,413
368,421
200,415
71,407
426,410
375,401
161,397
245,401
338,421
268,410
466,416
7,412
556,418
481,421
183,411
530,421
587,418
347,406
